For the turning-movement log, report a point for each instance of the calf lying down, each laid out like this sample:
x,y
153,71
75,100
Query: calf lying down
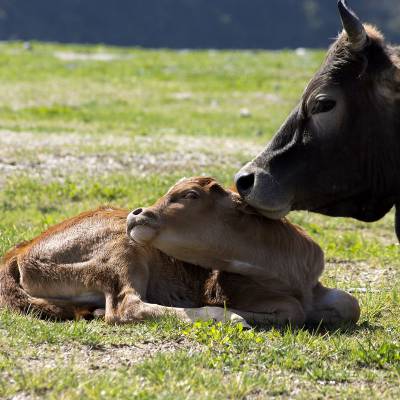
x,y
195,251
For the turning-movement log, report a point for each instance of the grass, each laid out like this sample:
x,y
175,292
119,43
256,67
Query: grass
x,y
77,131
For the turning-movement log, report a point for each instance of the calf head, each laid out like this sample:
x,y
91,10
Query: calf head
x,y
338,152
196,221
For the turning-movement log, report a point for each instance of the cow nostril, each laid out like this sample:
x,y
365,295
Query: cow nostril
x,y
245,183
137,211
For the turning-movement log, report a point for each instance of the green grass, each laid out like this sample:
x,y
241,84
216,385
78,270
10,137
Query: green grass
x,y
76,133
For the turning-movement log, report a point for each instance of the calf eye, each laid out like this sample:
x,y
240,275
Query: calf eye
x,y
322,106
190,195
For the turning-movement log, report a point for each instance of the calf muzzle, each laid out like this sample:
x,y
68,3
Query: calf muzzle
x,y
141,225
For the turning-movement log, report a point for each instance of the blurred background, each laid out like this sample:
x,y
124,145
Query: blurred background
x,y
219,24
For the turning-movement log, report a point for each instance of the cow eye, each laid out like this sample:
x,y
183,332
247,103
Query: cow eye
x,y
190,195
323,106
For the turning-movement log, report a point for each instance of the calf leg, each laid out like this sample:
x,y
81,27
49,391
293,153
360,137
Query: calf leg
x,y
122,301
278,311
132,309
333,306
13,296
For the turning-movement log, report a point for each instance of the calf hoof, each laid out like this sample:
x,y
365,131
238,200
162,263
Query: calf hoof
x,y
219,314
237,319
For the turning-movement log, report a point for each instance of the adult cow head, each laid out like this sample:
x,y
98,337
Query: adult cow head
x,y
338,153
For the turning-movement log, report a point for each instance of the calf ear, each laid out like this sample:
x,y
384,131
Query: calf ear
x,y
217,189
245,208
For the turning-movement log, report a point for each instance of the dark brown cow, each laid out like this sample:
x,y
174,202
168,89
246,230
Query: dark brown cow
x,y
270,269
338,153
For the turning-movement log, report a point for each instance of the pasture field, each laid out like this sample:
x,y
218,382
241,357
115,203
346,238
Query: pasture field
x,y
85,126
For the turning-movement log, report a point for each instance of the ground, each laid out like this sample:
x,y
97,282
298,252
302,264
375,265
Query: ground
x,y
85,126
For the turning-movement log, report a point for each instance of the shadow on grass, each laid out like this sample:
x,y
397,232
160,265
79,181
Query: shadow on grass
x,y
323,329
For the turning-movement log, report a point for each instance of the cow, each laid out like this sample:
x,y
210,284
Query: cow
x,y
338,153
196,251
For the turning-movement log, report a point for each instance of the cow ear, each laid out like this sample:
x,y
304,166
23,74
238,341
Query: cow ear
x,y
355,30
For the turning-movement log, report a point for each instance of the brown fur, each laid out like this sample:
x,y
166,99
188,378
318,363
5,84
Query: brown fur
x,y
88,262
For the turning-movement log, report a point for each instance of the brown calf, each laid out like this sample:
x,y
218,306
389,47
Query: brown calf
x,y
267,270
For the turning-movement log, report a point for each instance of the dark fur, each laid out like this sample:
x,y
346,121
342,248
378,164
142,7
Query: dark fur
x,y
355,170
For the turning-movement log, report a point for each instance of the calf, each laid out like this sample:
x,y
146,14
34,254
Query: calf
x,y
198,249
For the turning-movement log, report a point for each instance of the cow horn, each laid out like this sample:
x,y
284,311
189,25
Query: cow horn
x,y
352,25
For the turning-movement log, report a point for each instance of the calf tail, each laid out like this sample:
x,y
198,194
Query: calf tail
x,y
14,297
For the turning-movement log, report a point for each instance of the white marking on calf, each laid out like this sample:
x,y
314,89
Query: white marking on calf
x,y
241,267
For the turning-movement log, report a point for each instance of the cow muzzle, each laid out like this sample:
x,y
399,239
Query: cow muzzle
x,y
259,189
